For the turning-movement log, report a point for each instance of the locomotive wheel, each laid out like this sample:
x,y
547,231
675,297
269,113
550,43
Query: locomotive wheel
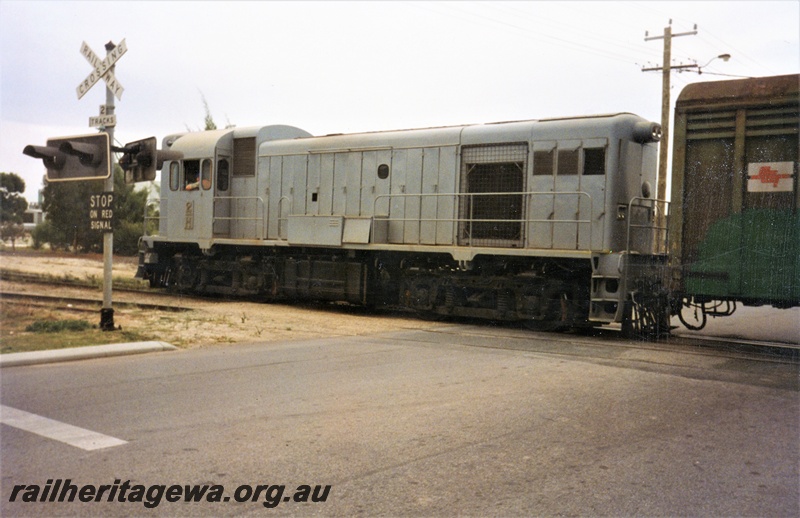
x,y
554,314
692,314
186,277
156,280
429,315
420,296
547,326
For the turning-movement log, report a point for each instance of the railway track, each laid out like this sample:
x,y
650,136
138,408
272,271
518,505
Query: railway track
x,y
75,303
738,348
79,304
697,344
31,278
737,342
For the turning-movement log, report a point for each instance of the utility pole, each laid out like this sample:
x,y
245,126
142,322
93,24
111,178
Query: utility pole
x,y
666,70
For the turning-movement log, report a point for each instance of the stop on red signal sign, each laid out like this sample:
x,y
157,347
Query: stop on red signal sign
x,y
101,211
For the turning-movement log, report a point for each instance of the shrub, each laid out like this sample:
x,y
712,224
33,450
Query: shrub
x,y
56,326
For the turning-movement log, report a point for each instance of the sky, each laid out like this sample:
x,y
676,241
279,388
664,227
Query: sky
x,y
343,67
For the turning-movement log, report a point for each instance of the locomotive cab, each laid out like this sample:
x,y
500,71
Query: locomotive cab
x,y
206,193
194,182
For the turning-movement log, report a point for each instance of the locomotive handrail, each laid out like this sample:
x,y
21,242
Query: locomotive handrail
x,y
661,245
148,218
258,218
456,196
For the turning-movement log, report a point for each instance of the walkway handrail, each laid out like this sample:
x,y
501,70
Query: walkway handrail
x,y
258,218
456,196
657,211
155,202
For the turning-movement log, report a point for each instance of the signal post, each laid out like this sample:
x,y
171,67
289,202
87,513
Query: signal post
x,y
107,311
88,157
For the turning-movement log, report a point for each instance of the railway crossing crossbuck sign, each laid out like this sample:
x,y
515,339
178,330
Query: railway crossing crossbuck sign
x,y
102,69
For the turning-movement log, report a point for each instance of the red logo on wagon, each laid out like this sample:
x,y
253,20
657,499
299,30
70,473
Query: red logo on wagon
x,y
766,174
770,176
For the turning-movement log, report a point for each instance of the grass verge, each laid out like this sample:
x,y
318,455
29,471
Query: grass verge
x,y
25,328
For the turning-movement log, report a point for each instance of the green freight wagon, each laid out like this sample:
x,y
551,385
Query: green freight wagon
x,y
734,224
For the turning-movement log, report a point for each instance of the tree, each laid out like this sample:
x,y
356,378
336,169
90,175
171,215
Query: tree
x,y
66,205
68,224
129,207
208,121
210,124
12,207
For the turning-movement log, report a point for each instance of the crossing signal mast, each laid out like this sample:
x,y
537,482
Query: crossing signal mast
x,y
88,157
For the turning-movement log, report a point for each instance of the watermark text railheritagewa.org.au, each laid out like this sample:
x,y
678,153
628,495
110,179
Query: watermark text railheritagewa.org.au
x,y
64,490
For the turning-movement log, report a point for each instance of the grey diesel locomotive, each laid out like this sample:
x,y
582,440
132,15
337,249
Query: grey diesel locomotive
x,y
550,222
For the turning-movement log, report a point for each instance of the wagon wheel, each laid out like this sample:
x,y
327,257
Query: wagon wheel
x,y
692,314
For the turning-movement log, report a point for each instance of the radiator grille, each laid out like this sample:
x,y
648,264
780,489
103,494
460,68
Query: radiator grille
x,y
489,217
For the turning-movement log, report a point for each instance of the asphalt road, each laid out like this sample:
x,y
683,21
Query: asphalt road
x,y
458,420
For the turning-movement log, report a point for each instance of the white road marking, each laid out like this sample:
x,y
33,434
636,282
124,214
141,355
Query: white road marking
x,y
72,435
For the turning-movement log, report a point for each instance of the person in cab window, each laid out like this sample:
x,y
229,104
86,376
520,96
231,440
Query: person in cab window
x,y
192,180
206,182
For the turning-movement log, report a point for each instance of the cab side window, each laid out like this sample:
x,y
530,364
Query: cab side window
x,y
197,174
205,174
174,175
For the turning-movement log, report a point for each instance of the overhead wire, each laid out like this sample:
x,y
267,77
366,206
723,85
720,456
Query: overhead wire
x,y
532,20
738,54
623,44
457,10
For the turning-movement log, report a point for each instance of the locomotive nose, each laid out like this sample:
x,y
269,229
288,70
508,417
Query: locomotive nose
x,y
646,132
